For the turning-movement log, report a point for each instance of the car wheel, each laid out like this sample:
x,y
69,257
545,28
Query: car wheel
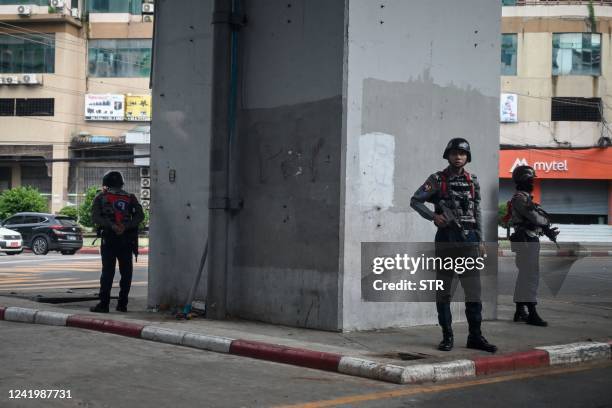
x,y
40,246
68,252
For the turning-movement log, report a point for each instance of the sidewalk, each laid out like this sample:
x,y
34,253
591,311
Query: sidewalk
x,y
399,355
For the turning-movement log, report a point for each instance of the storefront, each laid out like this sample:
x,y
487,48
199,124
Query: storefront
x,y
573,185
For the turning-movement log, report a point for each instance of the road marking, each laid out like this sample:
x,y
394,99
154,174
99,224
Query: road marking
x,y
428,389
37,260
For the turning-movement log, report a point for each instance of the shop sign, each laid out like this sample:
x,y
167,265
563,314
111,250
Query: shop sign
x,y
104,107
138,108
508,108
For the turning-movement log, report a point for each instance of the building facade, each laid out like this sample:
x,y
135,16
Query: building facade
x,y
556,66
74,84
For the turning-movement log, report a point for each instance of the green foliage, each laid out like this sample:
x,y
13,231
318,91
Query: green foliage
x,y
592,20
70,211
501,213
145,222
85,208
21,199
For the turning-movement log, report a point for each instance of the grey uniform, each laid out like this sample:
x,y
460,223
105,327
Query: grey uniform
x,y
527,224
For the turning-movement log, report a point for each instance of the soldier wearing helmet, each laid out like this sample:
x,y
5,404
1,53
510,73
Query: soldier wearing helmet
x,y
117,215
529,222
455,194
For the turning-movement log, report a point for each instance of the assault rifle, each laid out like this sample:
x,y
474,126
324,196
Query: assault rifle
x,y
550,232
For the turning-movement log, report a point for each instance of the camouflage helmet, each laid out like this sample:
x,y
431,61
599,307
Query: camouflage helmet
x,y
458,143
523,174
113,179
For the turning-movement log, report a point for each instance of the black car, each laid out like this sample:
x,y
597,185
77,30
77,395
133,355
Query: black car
x,y
47,232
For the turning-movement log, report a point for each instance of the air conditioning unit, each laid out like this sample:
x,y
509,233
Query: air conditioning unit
x,y
147,18
145,193
148,8
10,80
145,182
145,204
145,172
58,4
24,10
30,79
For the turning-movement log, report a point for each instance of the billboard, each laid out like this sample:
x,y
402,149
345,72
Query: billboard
x,y
508,108
109,107
138,108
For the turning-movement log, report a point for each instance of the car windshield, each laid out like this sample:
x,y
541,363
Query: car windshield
x,y
67,222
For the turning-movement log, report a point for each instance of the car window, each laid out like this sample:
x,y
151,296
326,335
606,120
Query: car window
x,y
67,222
31,219
14,220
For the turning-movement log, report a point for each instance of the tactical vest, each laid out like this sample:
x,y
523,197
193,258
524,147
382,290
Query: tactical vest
x,y
117,207
458,194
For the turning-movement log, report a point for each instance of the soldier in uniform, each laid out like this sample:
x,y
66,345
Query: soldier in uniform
x,y
455,194
117,215
529,222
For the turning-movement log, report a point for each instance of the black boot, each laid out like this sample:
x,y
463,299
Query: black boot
x,y
533,318
99,308
520,315
478,342
447,342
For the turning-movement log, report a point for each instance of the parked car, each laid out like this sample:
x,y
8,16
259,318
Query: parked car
x,y
10,241
47,232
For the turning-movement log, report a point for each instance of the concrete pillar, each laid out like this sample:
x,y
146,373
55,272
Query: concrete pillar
x,y
16,175
59,180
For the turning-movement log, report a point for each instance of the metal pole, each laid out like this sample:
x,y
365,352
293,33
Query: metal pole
x,y
219,163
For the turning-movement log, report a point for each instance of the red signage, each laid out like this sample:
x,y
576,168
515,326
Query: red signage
x,y
591,164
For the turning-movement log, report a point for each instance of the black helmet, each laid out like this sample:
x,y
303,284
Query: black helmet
x,y
113,179
523,174
458,143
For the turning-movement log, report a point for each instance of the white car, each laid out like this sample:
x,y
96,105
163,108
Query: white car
x,y
10,241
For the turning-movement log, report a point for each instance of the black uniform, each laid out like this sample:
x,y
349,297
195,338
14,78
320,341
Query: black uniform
x,y
116,247
528,224
459,197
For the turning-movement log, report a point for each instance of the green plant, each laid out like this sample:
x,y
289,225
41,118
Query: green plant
x,y
501,213
21,199
85,207
145,222
70,211
592,20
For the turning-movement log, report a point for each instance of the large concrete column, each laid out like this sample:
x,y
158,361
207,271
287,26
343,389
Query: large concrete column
x,y
59,180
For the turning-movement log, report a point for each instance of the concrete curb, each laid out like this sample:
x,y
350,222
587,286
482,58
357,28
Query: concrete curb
x,y
567,354
561,252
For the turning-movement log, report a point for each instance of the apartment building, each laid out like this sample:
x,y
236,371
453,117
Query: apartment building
x,y
74,84
556,67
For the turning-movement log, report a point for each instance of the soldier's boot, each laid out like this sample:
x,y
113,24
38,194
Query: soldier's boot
x,y
521,314
445,320
448,340
533,318
479,342
475,340
99,308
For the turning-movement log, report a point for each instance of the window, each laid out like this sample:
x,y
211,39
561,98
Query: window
x,y
508,54
16,220
508,2
7,107
576,109
35,107
576,54
120,58
26,53
115,6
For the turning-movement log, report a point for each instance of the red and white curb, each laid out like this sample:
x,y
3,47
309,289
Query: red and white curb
x,y
561,252
574,353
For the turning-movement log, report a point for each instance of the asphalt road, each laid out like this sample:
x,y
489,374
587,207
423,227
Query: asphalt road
x,y
27,273
103,370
